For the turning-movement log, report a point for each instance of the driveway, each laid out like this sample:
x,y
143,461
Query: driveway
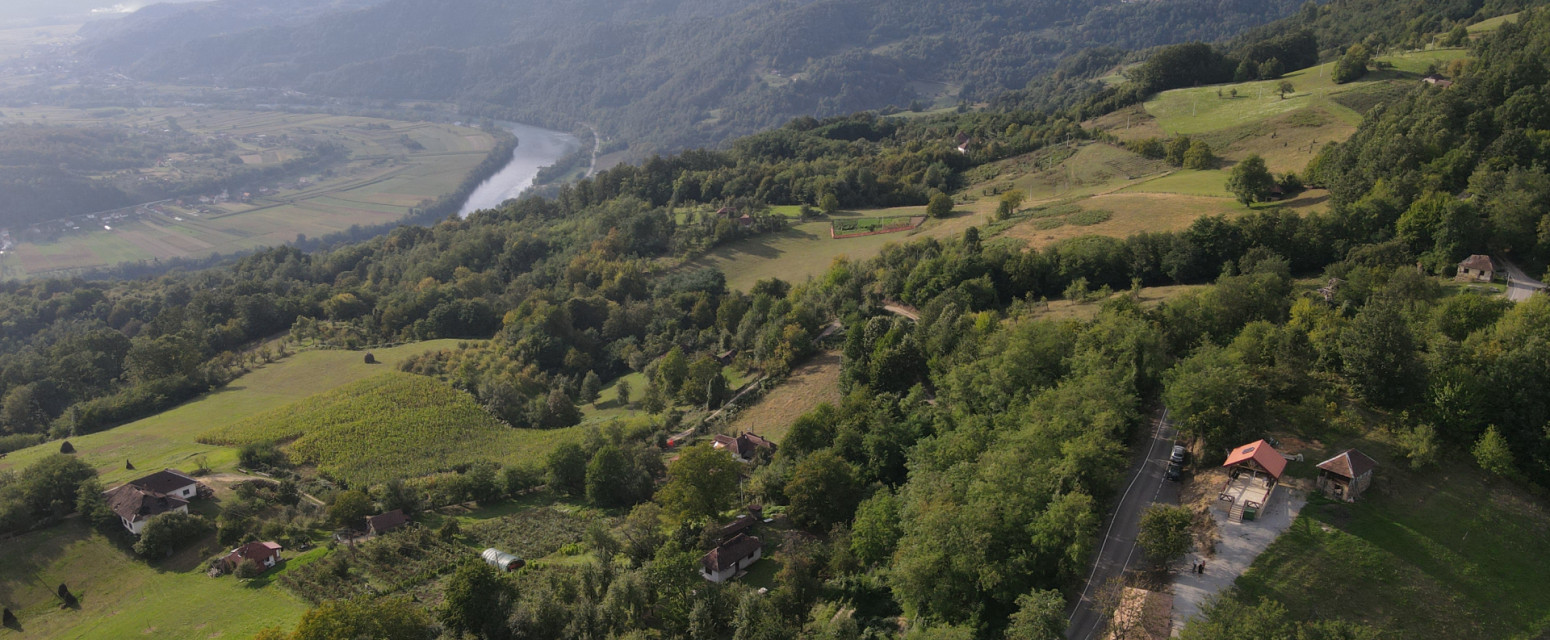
x,y
1117,551
1237,546
1519,286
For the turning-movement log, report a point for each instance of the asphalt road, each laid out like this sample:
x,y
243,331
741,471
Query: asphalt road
x,y
1118,551
1519,285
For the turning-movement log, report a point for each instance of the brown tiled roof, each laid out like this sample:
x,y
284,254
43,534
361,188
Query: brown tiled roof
x,y
164,481
1349,464
134,503
731,552
255,551
1478,262
741,524
387,521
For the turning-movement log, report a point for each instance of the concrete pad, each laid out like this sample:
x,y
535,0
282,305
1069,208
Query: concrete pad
x,y
1237,547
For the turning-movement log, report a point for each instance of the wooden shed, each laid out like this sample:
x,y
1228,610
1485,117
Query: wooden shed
x,y
1347,475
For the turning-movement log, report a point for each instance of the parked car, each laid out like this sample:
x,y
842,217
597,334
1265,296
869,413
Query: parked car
x,y
1175,471
1179,453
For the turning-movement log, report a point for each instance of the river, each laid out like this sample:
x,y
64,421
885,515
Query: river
x,y
536,148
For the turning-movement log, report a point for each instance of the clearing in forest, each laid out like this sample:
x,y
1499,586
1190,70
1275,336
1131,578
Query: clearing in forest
x,y
812,383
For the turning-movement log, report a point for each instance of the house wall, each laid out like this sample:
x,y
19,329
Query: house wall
x,y
187,492
137,526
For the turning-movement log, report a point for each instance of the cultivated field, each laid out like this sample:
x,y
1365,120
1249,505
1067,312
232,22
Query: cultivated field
x,y
421,424
393,166
123,597
168,439
812,383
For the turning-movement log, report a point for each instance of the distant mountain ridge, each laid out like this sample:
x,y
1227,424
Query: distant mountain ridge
x,y
664,74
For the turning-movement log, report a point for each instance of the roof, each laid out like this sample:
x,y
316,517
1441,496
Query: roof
x,y
729,553
164,481
741,524
135,503
1349,463
744,445
387,521
1478,262
1261,452
255,551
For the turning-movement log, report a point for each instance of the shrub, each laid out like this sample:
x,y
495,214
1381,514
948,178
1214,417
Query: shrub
x,y
1089,218
165,534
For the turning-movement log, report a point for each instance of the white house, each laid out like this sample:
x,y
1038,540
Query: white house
x,y
165,491
725,561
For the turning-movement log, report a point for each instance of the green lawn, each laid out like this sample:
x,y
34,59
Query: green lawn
x,y
1188,182
1201,109
123,597
1441,553
1492,24
803,250
167,439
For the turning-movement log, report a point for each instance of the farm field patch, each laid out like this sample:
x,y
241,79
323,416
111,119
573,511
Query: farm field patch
x,y
810,384
168,438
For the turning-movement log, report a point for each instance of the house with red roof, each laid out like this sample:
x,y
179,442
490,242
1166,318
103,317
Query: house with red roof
x,y
380,524
144,498
1254,470
263,555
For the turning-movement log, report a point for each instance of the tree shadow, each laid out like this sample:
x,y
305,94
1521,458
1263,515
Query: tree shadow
x,y
15,625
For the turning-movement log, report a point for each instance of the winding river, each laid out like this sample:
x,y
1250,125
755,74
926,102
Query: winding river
x,y
536,148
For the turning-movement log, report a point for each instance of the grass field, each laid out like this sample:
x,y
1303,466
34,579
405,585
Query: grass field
x,y
811,383
123,597
1440,553
168,439
1130,213
805,249
421,424
379,184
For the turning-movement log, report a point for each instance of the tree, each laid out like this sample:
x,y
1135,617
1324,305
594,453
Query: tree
x,y
591,385
567,466
1175,150
1250,180
559,411
940,205
1164,533
610,478
365,617
1493,453
1271,69
622,390
476,601
1284,87
166,533
1009,203
822,491
700,484
1041,615
1199,156
1379,355
876,531
1352,65
829,203
350,508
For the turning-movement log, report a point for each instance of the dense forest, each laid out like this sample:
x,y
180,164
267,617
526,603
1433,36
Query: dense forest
x,y
662,75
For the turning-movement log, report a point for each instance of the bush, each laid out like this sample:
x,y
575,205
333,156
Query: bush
x,y
261,455
246,570
1088,218
163,535
940,205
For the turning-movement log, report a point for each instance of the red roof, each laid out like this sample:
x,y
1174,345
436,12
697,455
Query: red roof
x,y
1478,262
257,552
1261,452
386,522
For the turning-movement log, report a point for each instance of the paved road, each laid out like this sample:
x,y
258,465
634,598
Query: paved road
x,y
1117,551
1519,285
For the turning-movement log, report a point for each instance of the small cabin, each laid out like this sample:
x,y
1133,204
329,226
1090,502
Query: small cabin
x,y
502,560
1347,475
1254,470
1476,268
730,558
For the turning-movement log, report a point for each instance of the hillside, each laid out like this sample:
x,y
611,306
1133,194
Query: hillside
x,y
391,425
662,75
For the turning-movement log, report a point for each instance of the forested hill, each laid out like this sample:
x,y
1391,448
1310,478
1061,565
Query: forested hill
x,y
668,73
